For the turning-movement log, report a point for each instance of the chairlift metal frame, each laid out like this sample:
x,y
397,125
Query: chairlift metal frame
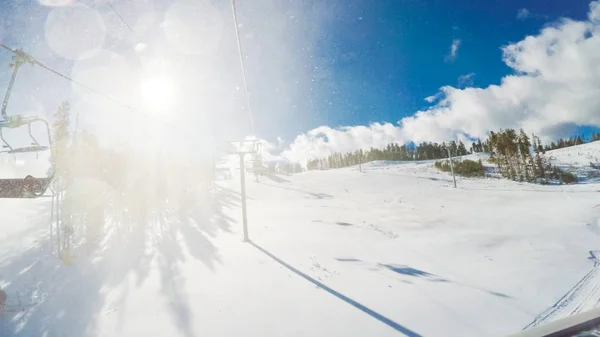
x,y
255,146
28,187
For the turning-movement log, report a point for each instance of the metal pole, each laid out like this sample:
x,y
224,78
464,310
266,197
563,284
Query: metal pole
x,y
214,169
77,124
51,222
451,166
359,161
243,182
58,220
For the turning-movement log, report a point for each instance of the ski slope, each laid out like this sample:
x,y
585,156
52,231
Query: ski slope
x,y
582,160
585,295
390,251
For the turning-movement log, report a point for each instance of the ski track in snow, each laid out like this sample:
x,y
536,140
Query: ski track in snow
x,y
585,295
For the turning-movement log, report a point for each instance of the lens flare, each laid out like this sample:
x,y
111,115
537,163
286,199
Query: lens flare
x,y
157,94
74,31
193,26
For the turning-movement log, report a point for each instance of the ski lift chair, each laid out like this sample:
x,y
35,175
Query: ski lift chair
x,y
28,187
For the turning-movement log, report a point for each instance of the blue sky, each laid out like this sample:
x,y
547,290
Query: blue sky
x,y
316,66
387,56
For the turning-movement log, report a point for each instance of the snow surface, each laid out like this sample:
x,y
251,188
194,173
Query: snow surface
x,y
582,160
393,250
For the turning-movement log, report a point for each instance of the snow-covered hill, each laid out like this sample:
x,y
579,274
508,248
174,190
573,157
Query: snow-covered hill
x,y
394,250
581,160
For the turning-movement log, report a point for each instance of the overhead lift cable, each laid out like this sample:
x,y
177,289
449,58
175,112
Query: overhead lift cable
x,y
122,19
93,90
241,54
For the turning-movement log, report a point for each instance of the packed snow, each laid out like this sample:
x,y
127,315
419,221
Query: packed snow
x,y
392,250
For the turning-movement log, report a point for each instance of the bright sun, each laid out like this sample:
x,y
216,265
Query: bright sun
x,y
158,94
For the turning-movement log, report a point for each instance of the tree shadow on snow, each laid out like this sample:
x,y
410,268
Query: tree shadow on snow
x,y
36,219
411,176
315,195
417,273
412,272
408,271
152,224
276,178
344,224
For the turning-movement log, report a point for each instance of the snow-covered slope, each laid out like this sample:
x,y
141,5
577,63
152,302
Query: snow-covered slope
x,y
581,160
394,250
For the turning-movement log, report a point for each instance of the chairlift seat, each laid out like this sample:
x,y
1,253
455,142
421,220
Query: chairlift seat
x,y
28,187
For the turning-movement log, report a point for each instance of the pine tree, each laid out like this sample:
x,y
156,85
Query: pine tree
x,y
526,158
60,140
461,150
453,148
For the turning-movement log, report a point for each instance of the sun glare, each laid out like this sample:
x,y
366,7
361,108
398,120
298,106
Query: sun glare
x,y
158,94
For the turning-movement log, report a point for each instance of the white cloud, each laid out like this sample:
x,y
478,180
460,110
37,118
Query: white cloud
x,y
523,14
465,80
555,85
594,13
323,141
453,50
431,99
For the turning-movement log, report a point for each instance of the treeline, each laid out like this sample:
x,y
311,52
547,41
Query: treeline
x,y
516,155
287,168
394,151
572,141
259,167
511,152
559,144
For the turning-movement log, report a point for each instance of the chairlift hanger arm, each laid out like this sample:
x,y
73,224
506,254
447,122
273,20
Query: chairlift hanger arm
x,y
18,121
33,119
20,58
35,142
4,140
